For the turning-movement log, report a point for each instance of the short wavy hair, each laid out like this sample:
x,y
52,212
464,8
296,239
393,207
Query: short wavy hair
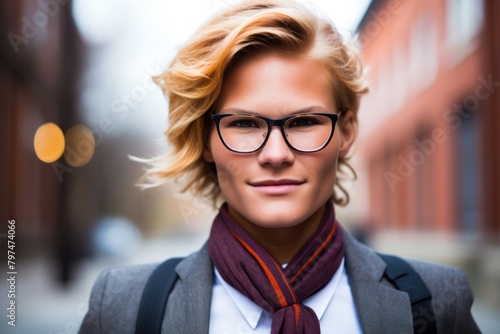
x,y
195,77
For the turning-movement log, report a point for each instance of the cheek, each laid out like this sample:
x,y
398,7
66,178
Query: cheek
x,y
326,177
325,166
230,166
327,169
228,174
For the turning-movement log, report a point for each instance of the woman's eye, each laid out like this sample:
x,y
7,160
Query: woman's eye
x,y
243,123
303,121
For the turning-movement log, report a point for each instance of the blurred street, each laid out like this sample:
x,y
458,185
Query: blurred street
x,y
44,307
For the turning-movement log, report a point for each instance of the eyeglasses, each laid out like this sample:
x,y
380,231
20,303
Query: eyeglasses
x,y
305,132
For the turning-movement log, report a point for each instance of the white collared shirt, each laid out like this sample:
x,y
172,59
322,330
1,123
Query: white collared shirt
x,y
231,312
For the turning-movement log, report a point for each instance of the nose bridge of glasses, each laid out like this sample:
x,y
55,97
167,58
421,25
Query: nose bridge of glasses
x,y
279,125
271,123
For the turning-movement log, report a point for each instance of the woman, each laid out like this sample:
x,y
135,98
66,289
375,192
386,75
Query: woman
x,y
263,112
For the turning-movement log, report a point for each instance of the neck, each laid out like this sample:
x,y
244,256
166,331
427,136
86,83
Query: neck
x,y
282,242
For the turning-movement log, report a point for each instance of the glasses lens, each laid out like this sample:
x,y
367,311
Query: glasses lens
x,y
243,133
308,132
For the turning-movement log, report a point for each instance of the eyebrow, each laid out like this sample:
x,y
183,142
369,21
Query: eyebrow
x,y
253,113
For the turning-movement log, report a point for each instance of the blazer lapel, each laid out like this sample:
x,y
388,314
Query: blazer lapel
x,y
381,307
188,307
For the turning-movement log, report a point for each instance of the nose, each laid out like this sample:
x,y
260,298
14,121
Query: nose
x,y
275,152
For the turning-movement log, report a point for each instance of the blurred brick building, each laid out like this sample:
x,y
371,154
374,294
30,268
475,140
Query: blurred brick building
x,y
40,56
431,123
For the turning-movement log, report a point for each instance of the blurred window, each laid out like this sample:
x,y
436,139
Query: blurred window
x,y
387,198
424,184
469,173
423,51
384,86
464,21
399,78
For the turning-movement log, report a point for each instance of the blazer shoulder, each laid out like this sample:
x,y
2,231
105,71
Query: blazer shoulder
x,y
440,276
452,296
126,283
115,298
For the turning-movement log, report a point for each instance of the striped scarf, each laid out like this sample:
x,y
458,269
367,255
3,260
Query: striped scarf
x,y
247,267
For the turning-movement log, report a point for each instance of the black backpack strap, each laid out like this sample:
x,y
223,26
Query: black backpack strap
x,y
405,278
155,296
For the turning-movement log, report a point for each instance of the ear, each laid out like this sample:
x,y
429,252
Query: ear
x,y
348,131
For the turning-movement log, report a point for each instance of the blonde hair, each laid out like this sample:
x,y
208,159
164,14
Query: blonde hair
x,y
194,79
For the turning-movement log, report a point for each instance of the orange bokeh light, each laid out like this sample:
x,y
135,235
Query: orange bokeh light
x,y
49,142
80,145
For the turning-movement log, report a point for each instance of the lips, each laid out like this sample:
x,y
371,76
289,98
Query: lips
x,y
279,182
276,187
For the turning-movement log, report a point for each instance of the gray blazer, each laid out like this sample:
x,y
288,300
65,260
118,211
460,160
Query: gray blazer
x,y
115,297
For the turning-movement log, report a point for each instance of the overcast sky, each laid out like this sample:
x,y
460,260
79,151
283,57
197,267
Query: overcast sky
x,y
99,19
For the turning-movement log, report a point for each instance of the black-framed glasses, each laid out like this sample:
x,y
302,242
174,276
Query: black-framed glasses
x,y
304,132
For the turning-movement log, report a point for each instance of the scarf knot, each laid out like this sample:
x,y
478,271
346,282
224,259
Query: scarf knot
x,y
298,317
245,265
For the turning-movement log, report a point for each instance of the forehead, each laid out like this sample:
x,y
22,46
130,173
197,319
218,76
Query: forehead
x,y
276,83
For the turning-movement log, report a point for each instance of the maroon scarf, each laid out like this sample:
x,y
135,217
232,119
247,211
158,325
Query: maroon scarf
x,y
247,267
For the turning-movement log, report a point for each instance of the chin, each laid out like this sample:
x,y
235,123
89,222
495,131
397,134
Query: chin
x,y
276,223
272,212
278,218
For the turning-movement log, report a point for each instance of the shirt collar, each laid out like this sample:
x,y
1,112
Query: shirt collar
x,y
252,312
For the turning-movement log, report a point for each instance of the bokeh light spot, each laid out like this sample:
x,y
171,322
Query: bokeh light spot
x,y
80,145
48,142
